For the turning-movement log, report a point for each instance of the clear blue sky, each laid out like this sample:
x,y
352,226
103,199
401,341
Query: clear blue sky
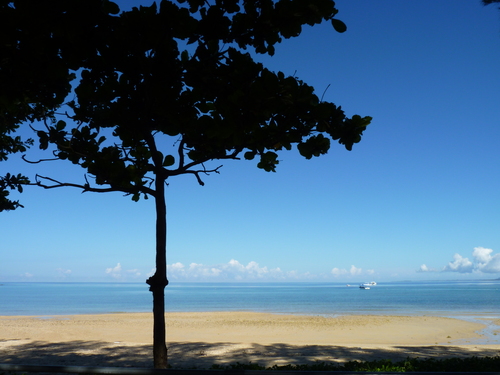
x,y
417,199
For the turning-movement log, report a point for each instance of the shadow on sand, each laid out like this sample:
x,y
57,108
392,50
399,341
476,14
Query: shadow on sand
x,y
203,355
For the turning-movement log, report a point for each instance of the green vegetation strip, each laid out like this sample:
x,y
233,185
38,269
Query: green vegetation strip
x,y
472,364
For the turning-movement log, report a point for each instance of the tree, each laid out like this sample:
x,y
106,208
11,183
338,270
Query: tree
x,y
8,145
181,74
40,45
488,2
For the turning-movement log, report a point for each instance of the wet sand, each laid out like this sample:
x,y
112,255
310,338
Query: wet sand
x,y
204,338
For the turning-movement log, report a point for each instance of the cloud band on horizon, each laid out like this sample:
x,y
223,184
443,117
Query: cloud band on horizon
x,y
483,262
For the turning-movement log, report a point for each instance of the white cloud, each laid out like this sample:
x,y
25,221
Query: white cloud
x,y
459,264
355,271
175,266
236,264
135,272
338,272
483,261
152,272
482,255
424,268
232,270
115,271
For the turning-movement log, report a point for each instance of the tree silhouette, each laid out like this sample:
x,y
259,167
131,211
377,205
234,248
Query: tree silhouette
x,y
40,46
488,2
166,91
10,144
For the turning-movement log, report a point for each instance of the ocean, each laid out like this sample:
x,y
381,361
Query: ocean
x,y
463,299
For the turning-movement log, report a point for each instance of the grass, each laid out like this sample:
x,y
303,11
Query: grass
x,y
472,364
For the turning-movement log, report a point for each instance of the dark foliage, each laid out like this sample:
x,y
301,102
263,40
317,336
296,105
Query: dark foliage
x,y
472,364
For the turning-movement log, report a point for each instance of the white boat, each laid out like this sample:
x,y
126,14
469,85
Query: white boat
x,y
364,286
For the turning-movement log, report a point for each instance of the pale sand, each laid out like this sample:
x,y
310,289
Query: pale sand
x,y
202,339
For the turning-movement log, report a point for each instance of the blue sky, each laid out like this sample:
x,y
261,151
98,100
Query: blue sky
x,y
416,199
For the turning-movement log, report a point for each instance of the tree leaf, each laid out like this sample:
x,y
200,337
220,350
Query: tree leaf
x,y
60,125
338,25
168,161
249,155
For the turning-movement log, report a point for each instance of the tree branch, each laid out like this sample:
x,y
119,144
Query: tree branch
x,y
233,156
181,153
198,172
86,187
37,161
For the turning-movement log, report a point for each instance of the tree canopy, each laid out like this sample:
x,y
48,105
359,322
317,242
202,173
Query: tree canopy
x,y
184,72
165,90
40,48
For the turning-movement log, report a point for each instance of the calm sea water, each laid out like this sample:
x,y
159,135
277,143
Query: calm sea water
x,y
452,298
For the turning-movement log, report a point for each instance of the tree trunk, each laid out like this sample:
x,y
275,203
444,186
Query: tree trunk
x,y
158,281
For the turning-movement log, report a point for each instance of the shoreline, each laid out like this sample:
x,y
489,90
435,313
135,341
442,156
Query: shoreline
x,y
201,339
460,315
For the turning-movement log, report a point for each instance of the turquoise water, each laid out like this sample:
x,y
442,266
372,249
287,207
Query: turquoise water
x,y
451,298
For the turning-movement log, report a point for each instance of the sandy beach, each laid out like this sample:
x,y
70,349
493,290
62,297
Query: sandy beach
x,y
202,339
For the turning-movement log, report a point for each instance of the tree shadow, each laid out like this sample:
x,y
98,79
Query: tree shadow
x,y
203,354
77,353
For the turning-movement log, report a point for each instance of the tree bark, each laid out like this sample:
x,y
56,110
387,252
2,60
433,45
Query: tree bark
x,y
158,281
